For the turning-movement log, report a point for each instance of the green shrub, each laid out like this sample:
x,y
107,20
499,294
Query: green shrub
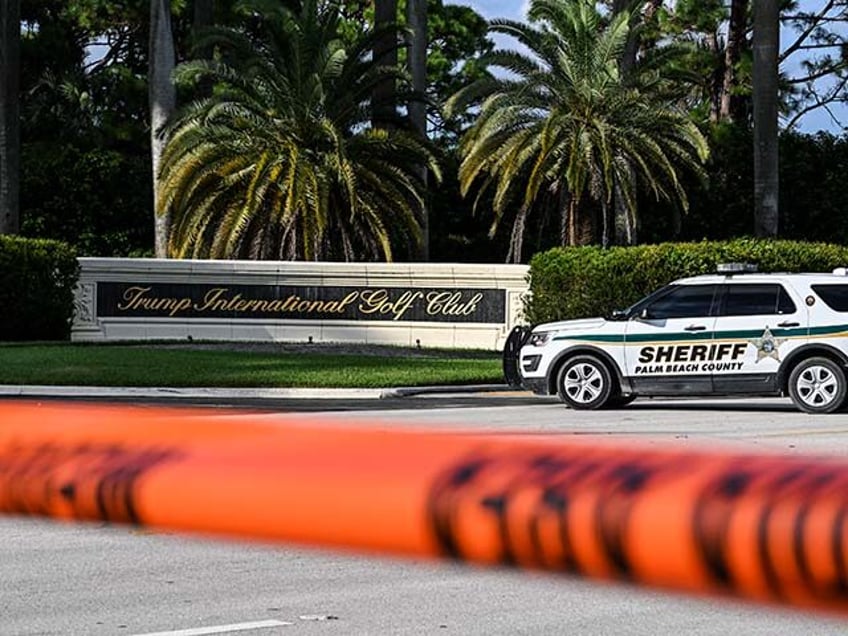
x,y
579,282
37,281
95,199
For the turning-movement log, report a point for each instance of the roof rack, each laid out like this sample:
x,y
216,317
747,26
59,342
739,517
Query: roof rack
x,y
736,268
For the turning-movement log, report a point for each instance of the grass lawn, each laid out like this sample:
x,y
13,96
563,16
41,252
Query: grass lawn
x,y
157,366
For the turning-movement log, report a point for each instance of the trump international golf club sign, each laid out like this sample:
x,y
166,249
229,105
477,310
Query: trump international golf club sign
x,y
246,302
447,305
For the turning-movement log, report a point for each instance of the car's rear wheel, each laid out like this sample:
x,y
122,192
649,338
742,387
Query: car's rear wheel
x,y
818,385
585,382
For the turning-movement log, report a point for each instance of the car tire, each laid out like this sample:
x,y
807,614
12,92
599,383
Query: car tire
x,y
818,385
585,382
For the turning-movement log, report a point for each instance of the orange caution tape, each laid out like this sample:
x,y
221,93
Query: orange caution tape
x,y
767,528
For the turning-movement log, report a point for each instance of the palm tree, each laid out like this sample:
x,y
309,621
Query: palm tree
x,y
564,121
10,33
163,99
281,161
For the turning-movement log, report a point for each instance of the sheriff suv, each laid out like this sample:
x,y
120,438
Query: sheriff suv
x,y
728,334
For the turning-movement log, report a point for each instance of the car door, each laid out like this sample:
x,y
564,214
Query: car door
x,y
667,342
761,323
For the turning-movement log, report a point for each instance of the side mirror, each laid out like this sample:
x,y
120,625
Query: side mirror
x,y
618,314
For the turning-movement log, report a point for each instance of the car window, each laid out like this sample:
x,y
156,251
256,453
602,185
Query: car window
x,y
636,308
683,301
756,300
834,296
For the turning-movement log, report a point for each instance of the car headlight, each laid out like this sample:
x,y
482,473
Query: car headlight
x,y
538,339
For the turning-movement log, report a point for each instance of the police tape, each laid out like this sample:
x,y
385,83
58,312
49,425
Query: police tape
x,y
758,527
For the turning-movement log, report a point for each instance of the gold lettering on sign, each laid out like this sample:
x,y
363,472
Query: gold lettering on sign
x,y
211,301
451,304
377,301
218,300
368,302
137,298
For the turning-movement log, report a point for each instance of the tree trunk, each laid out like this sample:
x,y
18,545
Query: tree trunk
x,y
10,126
623,225
716,80
737,32
631,48
605,222
516,239
766,186
384,98
574,220
621,218
564,214
648,10
416,20
162,104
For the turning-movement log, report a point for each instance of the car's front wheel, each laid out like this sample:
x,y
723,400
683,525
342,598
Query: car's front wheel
x,y
818,385
585,382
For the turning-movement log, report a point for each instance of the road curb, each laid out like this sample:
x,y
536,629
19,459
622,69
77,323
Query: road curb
x,y
35,391
190,393
410,391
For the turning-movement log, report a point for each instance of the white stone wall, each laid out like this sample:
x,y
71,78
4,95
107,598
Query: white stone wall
x,y
88,326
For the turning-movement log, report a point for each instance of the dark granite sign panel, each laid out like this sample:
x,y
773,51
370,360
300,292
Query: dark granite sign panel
x,y
246,302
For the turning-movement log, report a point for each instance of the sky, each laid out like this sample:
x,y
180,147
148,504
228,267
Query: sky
x,y
516,9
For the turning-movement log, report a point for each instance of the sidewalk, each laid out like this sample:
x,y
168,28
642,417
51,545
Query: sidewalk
x,y
25,391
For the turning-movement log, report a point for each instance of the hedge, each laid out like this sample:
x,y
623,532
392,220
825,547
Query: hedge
x,y
37,281
580,282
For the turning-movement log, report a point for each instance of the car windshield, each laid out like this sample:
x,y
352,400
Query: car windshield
x,y
633,310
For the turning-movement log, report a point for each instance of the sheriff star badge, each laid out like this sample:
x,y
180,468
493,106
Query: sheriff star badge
x,y
767,345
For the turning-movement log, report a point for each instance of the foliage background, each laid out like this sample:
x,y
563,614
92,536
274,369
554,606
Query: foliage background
x,y
85,131
581,282
37,281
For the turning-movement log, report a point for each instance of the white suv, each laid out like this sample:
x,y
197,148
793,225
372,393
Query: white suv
x,y
728,334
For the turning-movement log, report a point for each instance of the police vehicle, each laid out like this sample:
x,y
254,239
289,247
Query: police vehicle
x,y
734,333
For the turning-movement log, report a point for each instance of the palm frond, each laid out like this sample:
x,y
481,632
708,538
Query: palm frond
x,y
279,162
565,119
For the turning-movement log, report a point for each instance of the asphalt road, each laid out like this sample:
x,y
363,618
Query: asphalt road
x,y
91,579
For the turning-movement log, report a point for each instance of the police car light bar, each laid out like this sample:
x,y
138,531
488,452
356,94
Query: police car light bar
x,y
736,268
840,271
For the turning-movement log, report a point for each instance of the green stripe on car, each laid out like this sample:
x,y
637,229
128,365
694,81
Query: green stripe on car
x,y
709,335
